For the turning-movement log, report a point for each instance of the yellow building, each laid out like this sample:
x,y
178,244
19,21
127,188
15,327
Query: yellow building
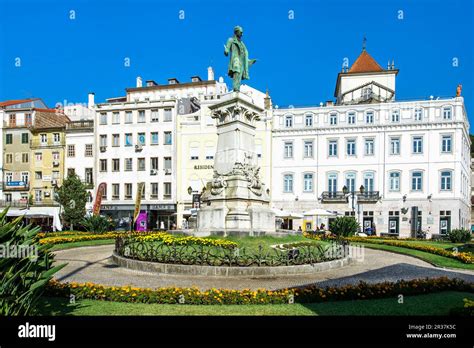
x,y
47,155
196,149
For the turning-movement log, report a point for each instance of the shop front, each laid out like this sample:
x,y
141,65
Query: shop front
x,y
153,216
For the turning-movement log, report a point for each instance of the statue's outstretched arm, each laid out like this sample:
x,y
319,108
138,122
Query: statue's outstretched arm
x,y
252,61
227,47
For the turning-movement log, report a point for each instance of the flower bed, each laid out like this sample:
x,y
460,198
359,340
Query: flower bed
x,y
80,238
308,294
170,239
461,256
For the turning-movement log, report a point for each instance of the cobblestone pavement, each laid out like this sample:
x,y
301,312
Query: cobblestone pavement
x,y
94,264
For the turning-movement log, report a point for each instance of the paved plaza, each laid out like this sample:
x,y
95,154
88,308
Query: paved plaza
x,y
94,264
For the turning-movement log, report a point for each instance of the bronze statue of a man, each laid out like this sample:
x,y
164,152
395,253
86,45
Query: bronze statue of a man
x,y
239,59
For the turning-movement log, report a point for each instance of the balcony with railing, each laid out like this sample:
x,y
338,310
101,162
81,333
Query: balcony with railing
x,y
37,143
16,203
343,196
48,202
82,125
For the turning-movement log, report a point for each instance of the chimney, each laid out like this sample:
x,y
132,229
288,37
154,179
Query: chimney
x,y
139,82
90,100
210,74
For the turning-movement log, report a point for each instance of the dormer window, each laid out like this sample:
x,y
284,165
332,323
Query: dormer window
x,y
395,116
308,120
418,114
366,93
447,113
351,117
333,119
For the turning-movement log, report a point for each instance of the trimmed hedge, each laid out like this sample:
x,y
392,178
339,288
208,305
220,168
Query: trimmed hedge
x,y
308,294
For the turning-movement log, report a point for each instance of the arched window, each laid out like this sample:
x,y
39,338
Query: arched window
x,y
288,183
351,181
446,180
369,182
394,181
332,182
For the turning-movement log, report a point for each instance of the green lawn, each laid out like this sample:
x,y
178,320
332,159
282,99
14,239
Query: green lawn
x,y
81,244
431,304
252,243
437,260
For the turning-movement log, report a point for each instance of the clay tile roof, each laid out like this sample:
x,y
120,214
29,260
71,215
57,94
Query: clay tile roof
x,y
365,63
14,102
50,118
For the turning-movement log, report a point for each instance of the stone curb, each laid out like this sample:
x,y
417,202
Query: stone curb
x,y
224,271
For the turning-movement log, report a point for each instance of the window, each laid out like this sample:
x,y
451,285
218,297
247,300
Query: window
x,y
154,115
25,157
366,93
333,119
89,151
116,118
369,182
55,156
369,117
71,151
288,183
141,164
9,158
308,148
39,175
417,181
332,182
289,121
103,165
71,172
128,164
394,146
167,164
168,138
128,139
25,177
154,138
28,120
308,182
38,156
55,174
210,151
9,139
167,190
369,147
418,116
8,197
88,175
446,179
333,148
394,181
56,138
141,139
351,118
103,118
24,138
12,119
115,191
167,117
417,145
115,165
44,139
103,140
351,147
128,117
38,195
194,153
351,182
446,142
447,113
288,149
308,120
154,190
154,163
9,177
141,116
128,191
395,116
115,140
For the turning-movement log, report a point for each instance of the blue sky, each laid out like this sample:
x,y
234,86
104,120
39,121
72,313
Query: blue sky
x,y
298,59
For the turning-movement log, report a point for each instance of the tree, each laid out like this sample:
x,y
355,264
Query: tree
x,y
25,266
344,226
72,195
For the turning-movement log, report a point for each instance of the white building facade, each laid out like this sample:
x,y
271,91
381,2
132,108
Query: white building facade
x,y
399,167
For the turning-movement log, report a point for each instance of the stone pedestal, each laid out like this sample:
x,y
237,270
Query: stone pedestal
x,y
235,201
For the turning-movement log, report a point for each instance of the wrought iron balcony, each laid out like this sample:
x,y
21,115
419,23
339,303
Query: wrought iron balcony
x,y
368,197
333,197
45,203
16,203
37,143
341,197
83,125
